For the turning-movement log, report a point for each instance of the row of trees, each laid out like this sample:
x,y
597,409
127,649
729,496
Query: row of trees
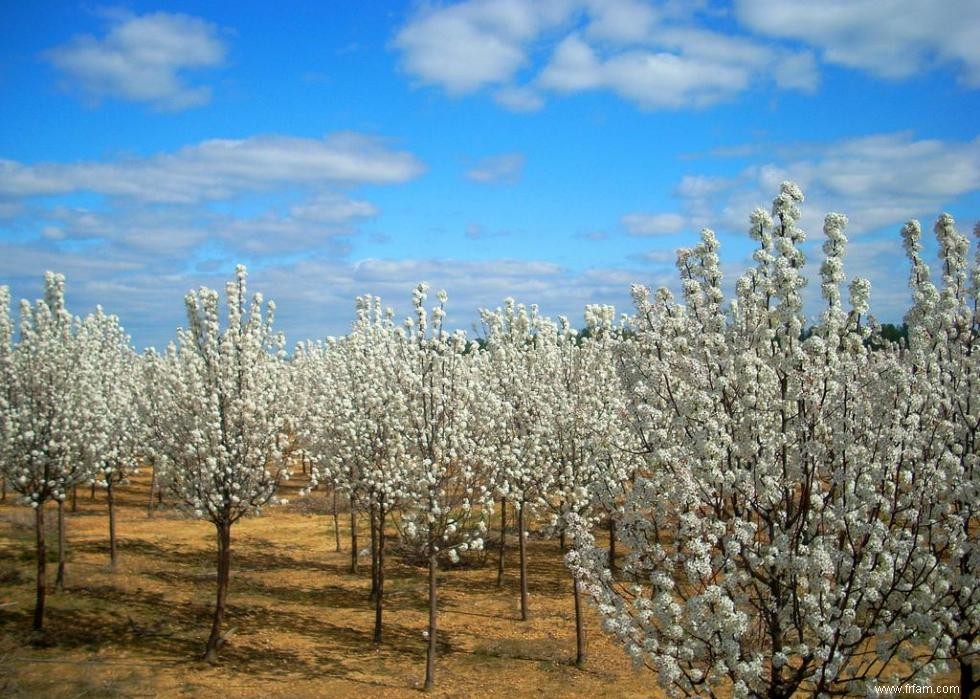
x,y
796,510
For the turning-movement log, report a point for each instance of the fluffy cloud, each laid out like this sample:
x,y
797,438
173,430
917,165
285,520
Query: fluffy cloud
x,y
653,224
879,181
143,59
219,169
670,55
656,57
505,168
891,38
466,46
163,217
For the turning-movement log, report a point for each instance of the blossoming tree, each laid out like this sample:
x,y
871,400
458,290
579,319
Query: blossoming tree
x,y
43,410
944,358
226,444
113,432
776,536
448,492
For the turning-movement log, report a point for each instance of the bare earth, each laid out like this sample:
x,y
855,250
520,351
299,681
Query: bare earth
x,y
303,624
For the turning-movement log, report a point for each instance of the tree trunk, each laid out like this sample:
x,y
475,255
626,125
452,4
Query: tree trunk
x,y
430,658
224,567
379,596
503,541
968,679
3,489
336,522
579,626
561,541
374,552
353,538
59,581
522,539
92,495
153,485
612,545
74,498
112,526
41,561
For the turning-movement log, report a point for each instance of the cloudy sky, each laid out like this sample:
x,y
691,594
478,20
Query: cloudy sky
x,y
551,150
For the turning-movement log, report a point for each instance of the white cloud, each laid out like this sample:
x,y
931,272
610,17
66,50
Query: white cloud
x,y
573,67
505,168
620,20
465,46
680,67
641,224
519,99
176,232
878,180
142,59
797,71
331,207
219,169
890,38
658,57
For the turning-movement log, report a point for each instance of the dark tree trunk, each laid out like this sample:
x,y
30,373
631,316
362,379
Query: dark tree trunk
x,y
968,679
153,485
353,538
374,552
561,541
92,494
113,557
612,545
430,657
503,541
41,563
224,567
336,522
59,581
379,596
74,499
522,545
579,626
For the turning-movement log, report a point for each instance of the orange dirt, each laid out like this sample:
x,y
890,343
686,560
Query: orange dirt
x,y
303,624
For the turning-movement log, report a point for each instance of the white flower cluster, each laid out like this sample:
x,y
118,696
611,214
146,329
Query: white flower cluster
x,y
214,404
802,499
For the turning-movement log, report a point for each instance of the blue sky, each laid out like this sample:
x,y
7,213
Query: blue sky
x,y
555,151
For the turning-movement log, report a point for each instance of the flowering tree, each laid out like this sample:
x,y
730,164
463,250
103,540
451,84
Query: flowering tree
x,y
944,356
44,406
776,536
355,416
582,436
225,449
515,376
448,494
109,366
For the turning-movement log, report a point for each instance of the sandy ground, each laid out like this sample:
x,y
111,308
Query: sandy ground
x,y
303,624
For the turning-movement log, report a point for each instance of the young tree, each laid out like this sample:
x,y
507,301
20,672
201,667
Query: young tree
x,y
44,410
944,356
515,377
777,535
584,443
109,364
448,493
226,448
355,418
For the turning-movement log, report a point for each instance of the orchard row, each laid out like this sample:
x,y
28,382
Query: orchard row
x,y
797,508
